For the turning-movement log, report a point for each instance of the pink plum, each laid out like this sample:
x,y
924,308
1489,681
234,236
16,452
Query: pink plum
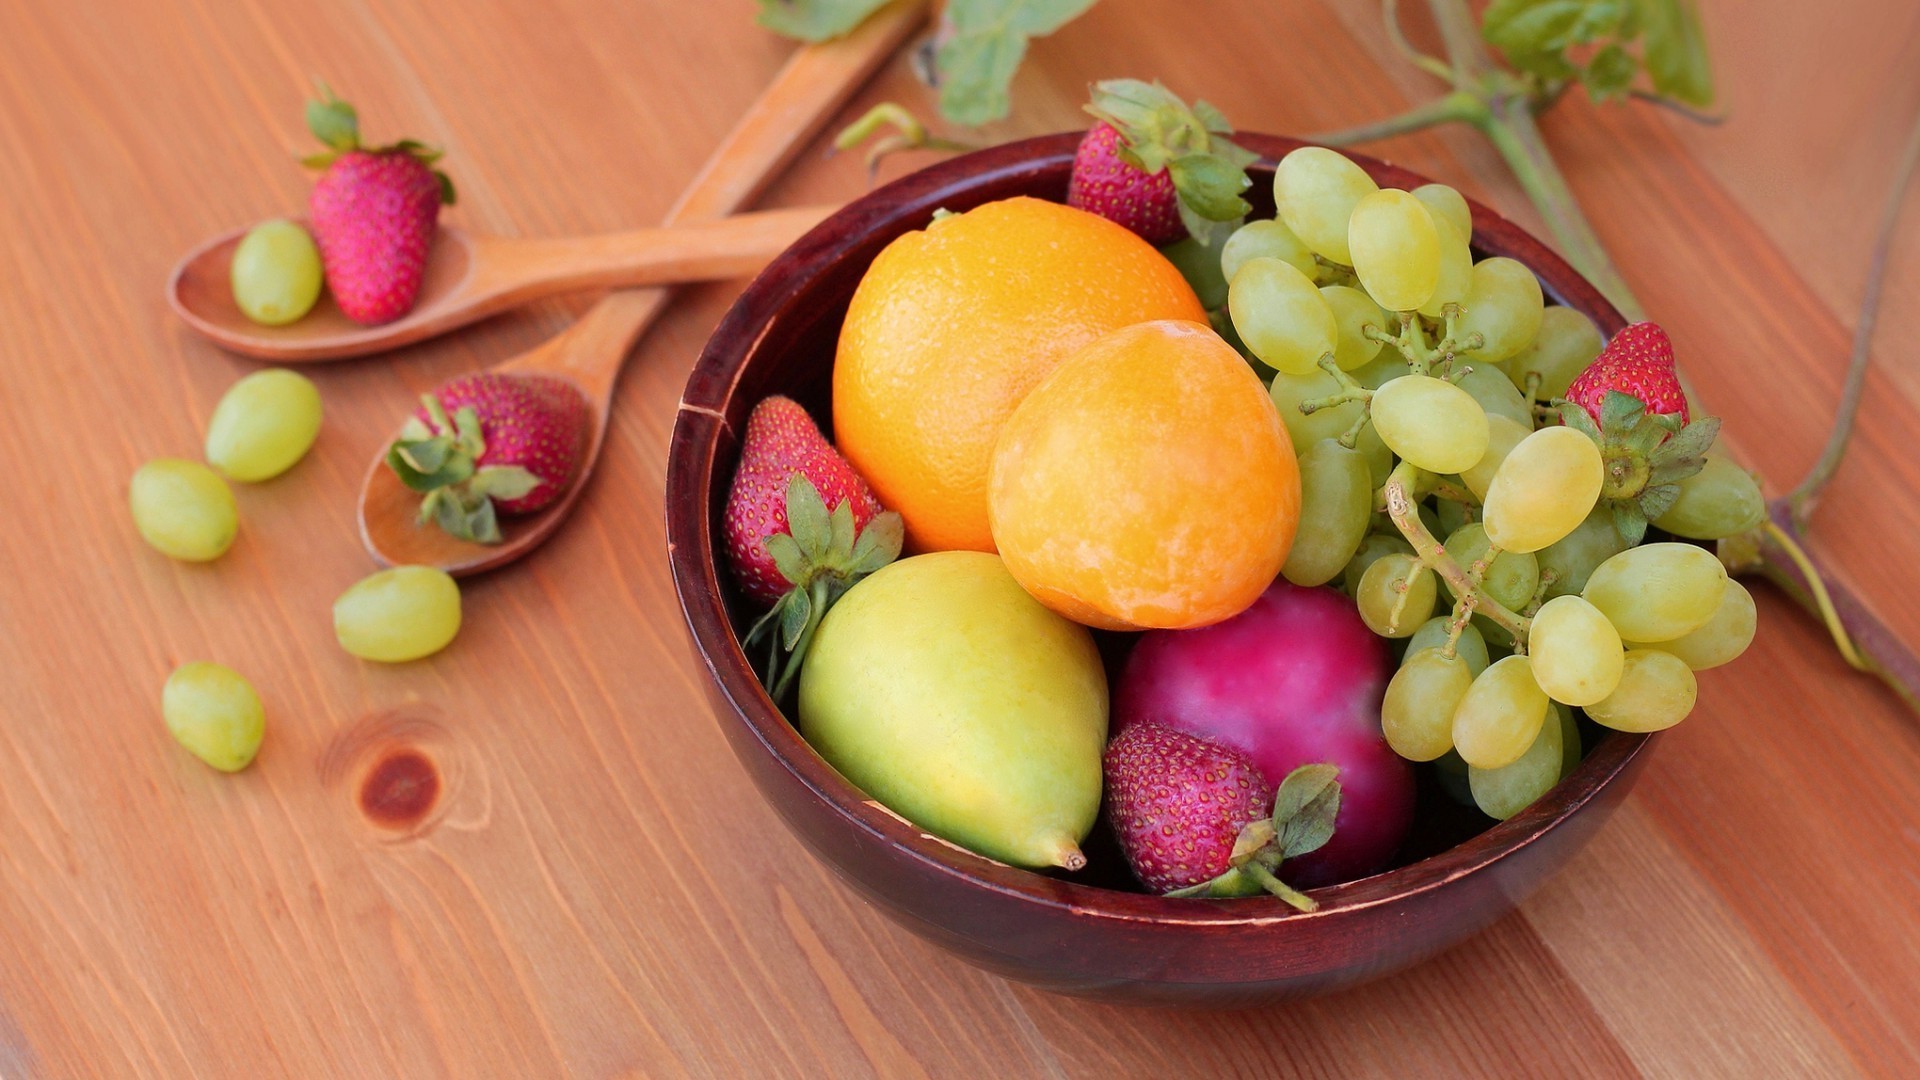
x,y
1295,679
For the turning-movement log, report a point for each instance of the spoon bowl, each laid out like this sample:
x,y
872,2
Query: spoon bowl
x,y
470,276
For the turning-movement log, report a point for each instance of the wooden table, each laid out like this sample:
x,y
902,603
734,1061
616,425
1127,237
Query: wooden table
x,y
598,890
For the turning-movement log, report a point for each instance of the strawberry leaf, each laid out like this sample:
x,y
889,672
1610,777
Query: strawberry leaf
x,y
1213,119
1659,498
1620,412
428,465
1610,73
879,543
797,611
1692,441
332,121
1629,522
787,558
1254,838
840,523
1304,809
504,482
807,517
1672,472
1210,185
1579,419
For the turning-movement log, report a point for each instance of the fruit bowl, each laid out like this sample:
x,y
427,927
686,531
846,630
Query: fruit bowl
x,y
1091,933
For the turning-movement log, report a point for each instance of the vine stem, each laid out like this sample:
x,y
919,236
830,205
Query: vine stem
x,y
1433,554
1800,501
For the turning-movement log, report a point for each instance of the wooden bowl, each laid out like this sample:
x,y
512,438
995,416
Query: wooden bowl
x,y
1093,933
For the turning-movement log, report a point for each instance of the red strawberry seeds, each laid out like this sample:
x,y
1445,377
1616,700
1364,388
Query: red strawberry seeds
x,y
1104,184
1637,362
782,440
1178,802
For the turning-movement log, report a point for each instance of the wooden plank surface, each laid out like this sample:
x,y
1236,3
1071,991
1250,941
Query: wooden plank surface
x,y
599,890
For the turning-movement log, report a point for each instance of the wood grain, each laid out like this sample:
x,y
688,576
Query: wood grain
x,y
596,890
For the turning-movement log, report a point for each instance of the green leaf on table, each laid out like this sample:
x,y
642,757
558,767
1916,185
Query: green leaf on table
x,y
815,20
1610,73
1676,51
988,41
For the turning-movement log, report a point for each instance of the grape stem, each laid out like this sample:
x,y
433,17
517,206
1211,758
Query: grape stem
x,y
1350,390
1502,106
1433,554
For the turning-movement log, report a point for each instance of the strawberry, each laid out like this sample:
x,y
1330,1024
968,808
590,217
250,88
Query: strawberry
x,y
1156,166
1629,401
488,444
1637,362
1196,818
786,548
372,213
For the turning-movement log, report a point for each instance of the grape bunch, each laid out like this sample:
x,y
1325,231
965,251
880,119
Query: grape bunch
x,y
1484,474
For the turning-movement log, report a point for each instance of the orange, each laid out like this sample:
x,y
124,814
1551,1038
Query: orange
x,y
1147,483
950,328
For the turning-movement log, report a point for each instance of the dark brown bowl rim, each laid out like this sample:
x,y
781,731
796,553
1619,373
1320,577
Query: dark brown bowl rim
x,y
697,573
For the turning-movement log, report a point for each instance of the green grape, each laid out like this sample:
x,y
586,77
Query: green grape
x,y
1305,429
1576,651
1396,249
1573,557
1267,239
1448,205
1488,385
1565,344
1503,792
1500,716
275,273
1353,311
183,509
1503,434
1470,646
1544,489
1430,422
1336,506
403,613
1372,548
1315,191
1382,369
1417,714
1451,772
1453,516
213,711
1656,691
1200,264
263,425
1503,306
1379,458
1719,501
1281,316
1658,592
1456,270
1395,596
1722,638
1512,576
1569,739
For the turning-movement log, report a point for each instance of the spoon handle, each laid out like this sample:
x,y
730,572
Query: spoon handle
x,y
512,272
816,81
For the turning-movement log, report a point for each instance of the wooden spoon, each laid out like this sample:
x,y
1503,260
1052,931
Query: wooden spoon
x,y
589,356
471,276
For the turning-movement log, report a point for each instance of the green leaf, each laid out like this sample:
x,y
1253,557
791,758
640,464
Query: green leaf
x,y
504,482
1210,185
1658,499
1257,834
1530,26
798,611
1304,809
815,20
1579,419
1629,522
787,558
879,543
332,121
1212,119
1676,51
466,425
840,546
1620,412
976,64
1673,472
807,517
1609,73
429,465
1692,441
